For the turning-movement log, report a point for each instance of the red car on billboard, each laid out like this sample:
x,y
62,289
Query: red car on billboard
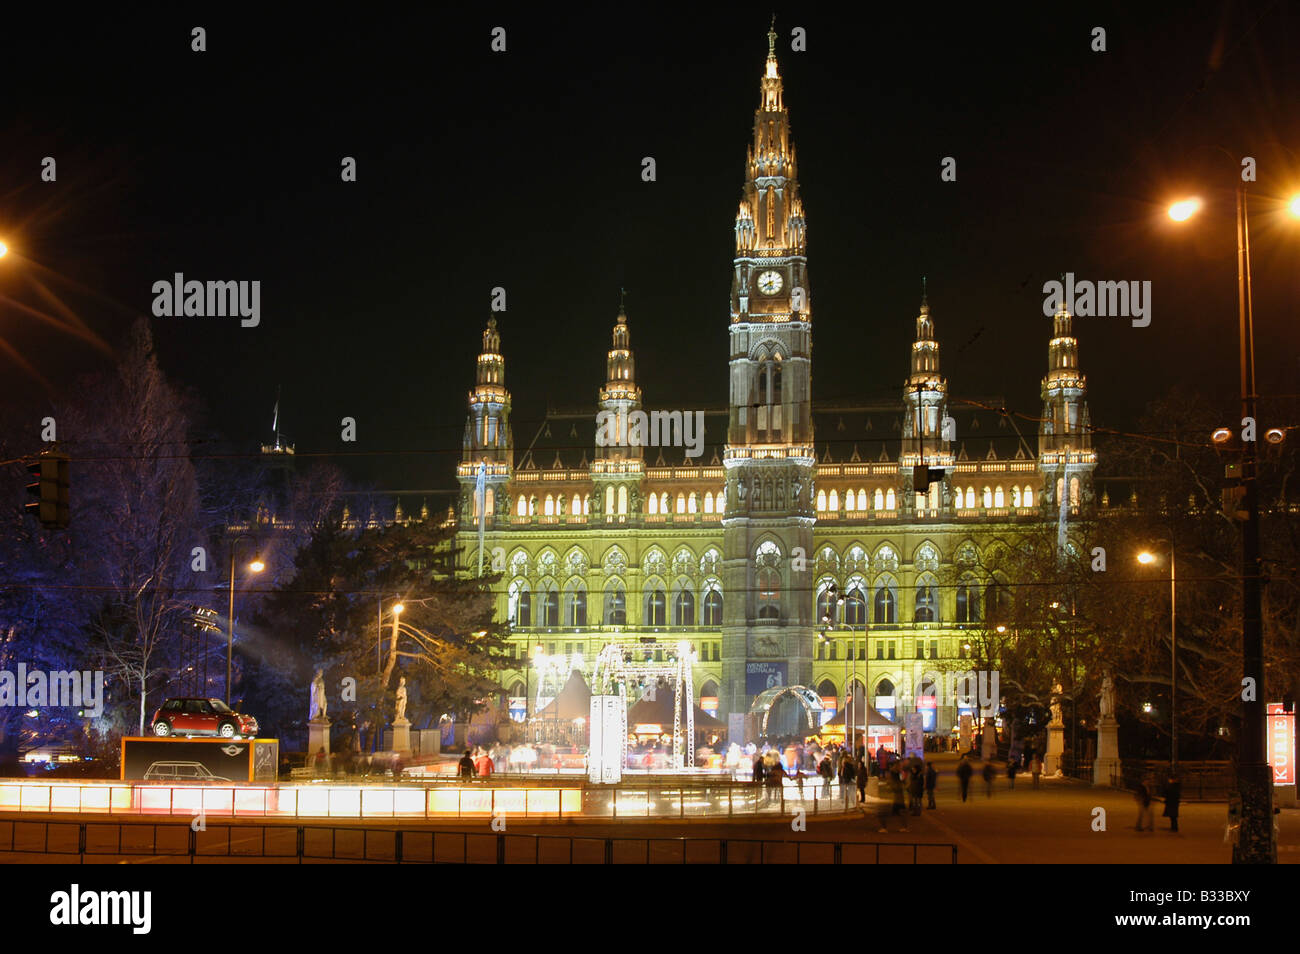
x,y
194,716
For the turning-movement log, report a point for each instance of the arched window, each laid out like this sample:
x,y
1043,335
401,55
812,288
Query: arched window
x,y
609,500
968,602
684,608
549,506
654,503
713,606
655,606
880,499
997,601
821,500
575,604
691,503
855,604
889,499
1029,496
708,502
681,503
622,499
862,499
769,593
927,601
850,502
885,609
988,497
615,605
521,508
833,501
520,604
551,606
1074,491
663,503
1015,495
999,498
825,601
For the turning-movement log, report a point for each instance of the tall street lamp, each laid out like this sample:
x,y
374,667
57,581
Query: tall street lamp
x,y
1257,844
257,566
1146,558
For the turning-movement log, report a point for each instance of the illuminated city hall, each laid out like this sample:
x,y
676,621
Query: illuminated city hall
x,y
797,550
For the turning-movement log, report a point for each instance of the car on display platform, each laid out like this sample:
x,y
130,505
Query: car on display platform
x,y
195,716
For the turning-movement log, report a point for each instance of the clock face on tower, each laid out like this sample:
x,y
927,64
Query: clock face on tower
x,y
769,283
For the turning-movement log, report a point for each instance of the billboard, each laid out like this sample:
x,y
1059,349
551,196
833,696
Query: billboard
x,y
200,760
760,676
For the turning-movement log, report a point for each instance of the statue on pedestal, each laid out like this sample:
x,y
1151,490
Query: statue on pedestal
x,y
401,701
1107,701
1056,704
318,703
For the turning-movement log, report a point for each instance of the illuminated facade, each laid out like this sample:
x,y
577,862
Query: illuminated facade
x,y
736,550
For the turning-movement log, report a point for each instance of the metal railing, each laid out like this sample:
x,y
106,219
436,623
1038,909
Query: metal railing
x,y
1202,781
302,843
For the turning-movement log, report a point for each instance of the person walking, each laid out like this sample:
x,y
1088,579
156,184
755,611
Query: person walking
x,y
775,782
915,786
1173,795
1011,773
827,773
758,769
988,779
466,766
846,779
964,772
896,791
1036,768
861,779
931,780
1142,795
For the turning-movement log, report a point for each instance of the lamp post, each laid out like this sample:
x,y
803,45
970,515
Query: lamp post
x,y
1146,558
1257,844
255,567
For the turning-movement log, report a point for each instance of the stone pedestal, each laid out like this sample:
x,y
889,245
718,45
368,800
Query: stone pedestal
x,y
318,737
402,735
989,740
1106,762
1052,763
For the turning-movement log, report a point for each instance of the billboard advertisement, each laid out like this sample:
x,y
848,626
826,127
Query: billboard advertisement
x,y
200,760
760,676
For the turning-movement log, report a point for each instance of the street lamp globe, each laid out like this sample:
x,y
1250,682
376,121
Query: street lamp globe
x,y
257,566
1184,209
1146,558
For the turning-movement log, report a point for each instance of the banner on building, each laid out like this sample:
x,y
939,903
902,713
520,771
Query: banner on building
x,y
761,676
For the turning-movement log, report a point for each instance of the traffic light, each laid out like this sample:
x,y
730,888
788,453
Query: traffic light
x,y
49,485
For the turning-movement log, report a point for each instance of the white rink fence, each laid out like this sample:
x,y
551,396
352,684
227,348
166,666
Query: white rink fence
x,y
663,798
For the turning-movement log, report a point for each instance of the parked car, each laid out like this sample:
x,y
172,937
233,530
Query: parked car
x,y
181,772
192,716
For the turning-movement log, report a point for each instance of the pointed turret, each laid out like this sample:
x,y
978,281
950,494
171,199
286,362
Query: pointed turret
x,y
926,442
488,445
1065,454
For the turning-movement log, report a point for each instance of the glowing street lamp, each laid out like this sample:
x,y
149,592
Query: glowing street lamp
x,y
1146,558
1293,207
4,249
1184,209
257,566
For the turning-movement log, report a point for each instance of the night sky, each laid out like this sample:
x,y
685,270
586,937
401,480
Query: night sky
x,y
522,169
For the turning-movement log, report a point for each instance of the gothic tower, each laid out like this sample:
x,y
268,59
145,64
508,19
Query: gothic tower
x,y
767,633
926,441
617,468
488,445
1065,455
